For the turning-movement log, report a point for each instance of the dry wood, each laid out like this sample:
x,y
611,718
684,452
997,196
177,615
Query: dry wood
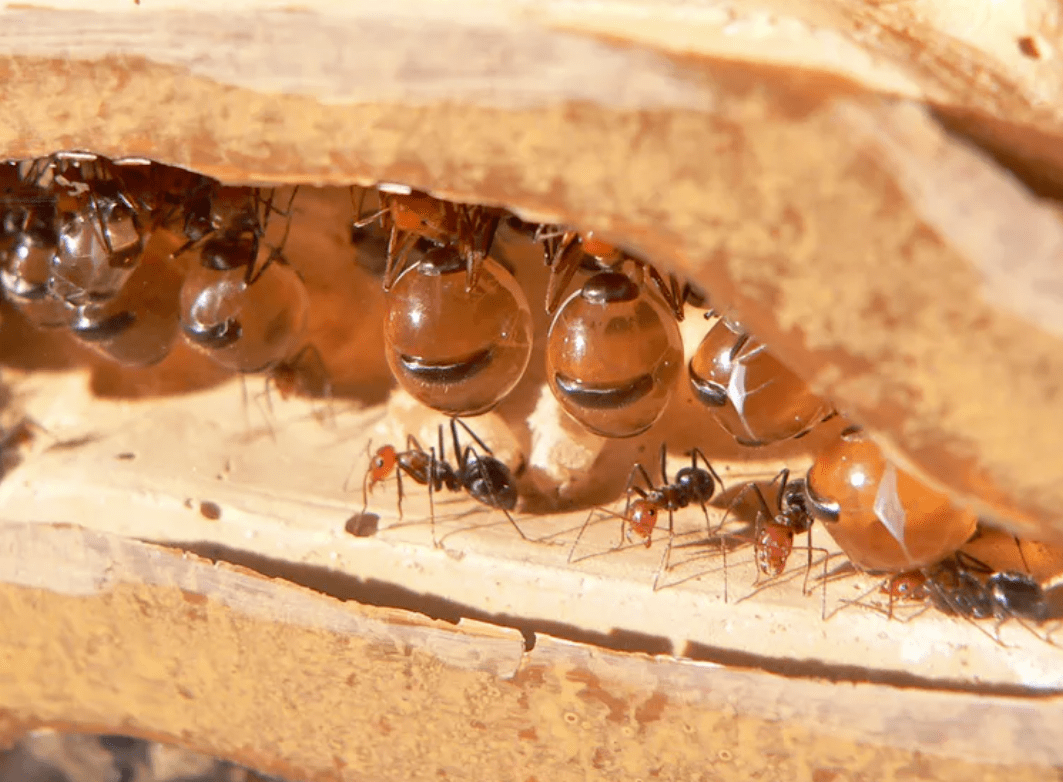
x,y
290,681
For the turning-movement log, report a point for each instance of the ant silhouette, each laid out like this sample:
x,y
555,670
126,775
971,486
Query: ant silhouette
x,y
483,477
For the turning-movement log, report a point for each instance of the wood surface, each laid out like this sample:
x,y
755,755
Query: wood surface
x,y
289,681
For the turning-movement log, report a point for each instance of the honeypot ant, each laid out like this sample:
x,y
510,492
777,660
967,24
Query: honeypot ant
x,y
28,242
245,313
410,216
566,251
613,355
693,484
454,348
482,476
749,392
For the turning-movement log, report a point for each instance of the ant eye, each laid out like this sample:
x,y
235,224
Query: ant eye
x,y
879,506
749,392
613,354
455,349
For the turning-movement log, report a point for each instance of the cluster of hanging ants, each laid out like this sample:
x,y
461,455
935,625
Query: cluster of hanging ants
x,y
74,239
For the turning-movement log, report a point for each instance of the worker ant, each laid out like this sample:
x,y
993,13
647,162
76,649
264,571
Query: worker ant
x,y
775,526
480,475
964,586
693,484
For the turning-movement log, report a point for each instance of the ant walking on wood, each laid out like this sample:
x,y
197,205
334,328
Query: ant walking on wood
x,y
693,484
774,528
480,475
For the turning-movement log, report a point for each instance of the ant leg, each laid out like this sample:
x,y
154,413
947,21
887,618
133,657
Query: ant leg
x,y
823,594
470,452
398,492
266,410
669,295
400,244
362,222
667,556
970,562
808,568
471,433
566,260
696,453
98,226
954,606
579,535
480,225
431,495
587,522
365,478
664,465
721,535
1022,554
763,512
856,601
637,470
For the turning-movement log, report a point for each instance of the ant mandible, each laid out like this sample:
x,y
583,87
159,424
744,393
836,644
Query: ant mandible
x,y
482,476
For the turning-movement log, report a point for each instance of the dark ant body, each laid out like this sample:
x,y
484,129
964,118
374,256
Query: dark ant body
x,y
483,477
964,586
956,588
693,484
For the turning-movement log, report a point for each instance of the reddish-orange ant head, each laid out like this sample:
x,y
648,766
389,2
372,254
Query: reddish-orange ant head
x,y
420,214
604,251
773,547
382,465
642,518
285,380
906,586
